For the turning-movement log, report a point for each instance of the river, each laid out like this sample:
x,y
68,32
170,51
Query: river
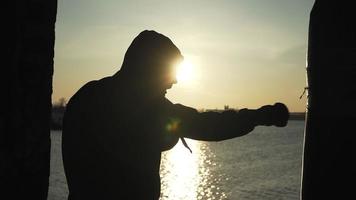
x,y
265,164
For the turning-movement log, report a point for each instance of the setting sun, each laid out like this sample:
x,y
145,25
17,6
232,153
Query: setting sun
x,y
185,71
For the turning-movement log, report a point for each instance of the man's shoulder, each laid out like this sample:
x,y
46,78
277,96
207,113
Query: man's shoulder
x,y
92,90
97,84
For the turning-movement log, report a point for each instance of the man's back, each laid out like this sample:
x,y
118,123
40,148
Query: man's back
x,y
110,144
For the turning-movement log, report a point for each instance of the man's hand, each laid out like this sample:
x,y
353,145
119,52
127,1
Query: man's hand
x,y
276,114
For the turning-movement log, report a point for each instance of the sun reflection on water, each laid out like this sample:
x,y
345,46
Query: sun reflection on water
x,y
187,176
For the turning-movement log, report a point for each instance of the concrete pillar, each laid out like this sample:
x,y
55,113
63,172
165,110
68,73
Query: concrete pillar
x,y
26,88
330,149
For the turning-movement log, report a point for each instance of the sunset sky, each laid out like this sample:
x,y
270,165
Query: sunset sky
x,y
241,53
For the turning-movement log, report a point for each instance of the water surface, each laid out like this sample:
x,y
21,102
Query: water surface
x,y
263,165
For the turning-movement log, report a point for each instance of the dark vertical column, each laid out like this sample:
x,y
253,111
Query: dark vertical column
x,y
329,150
26,88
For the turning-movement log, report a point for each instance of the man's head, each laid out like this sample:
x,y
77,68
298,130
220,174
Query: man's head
x,y
151,59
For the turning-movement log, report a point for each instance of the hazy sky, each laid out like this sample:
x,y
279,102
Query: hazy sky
x,y
244,53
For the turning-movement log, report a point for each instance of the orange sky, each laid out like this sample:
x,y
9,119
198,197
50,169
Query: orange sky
x,y
242,53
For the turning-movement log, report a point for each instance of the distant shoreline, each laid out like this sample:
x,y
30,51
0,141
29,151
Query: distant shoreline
x,y
297,116
57,118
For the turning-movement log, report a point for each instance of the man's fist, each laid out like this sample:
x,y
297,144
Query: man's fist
x,y
276,114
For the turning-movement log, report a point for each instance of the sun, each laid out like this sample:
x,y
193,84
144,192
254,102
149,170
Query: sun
x,y
185,72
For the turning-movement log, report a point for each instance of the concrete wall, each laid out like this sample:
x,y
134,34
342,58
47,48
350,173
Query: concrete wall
x,y
329,168
26,86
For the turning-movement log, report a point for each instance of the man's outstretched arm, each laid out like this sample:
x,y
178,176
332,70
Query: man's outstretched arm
x,y
215,126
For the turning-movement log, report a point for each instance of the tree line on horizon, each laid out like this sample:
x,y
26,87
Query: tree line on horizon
x,y
59,107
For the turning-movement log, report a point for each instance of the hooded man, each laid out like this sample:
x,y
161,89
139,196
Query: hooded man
x,y
115,129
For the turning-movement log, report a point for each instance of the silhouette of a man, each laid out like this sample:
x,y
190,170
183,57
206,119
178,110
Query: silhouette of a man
x,y
115,129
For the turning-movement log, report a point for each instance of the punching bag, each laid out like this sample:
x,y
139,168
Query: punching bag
x,y
329,145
